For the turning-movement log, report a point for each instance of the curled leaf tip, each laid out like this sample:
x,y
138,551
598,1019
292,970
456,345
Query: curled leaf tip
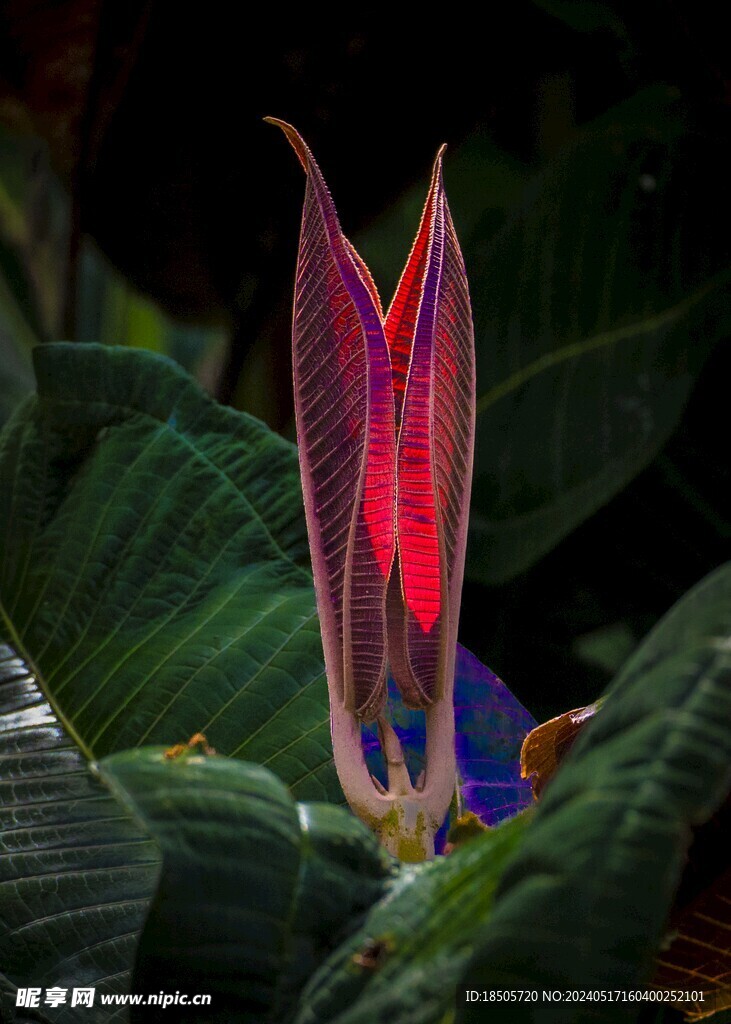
x,y
294,138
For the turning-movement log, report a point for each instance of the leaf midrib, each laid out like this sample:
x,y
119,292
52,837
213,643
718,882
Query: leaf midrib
x,y
20,649
605,338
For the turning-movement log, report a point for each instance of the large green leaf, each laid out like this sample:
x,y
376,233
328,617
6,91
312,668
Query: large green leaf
x,y
255,890
611,835
404,962
595,307
153,573
76,870
152,565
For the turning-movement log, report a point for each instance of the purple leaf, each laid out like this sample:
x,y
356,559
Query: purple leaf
x,y
347,443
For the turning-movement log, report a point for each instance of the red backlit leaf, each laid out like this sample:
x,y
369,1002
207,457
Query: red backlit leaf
x,y
385,421
346,434
403,312
429,323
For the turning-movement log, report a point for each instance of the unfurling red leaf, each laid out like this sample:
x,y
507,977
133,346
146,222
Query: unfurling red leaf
x,y
385,419
347,445
429,332
385,411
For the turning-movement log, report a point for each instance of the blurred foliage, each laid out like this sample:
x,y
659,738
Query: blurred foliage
x,y
33,233
111,311
35,275
595,308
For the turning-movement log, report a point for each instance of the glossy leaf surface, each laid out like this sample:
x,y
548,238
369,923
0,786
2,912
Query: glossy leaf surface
x,y
76,870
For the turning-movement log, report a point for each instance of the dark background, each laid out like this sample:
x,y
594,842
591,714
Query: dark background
x,y
152,113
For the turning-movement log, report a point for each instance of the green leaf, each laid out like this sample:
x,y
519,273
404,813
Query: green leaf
x,y
404,962
153,565
255,891
76,870
610,837
18,1015
595,309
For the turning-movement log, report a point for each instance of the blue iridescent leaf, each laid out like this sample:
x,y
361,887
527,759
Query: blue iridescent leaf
x,y
491,725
